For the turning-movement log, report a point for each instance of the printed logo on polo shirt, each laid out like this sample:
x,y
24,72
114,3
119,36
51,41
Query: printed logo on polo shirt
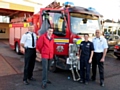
x,y
81,44
88,44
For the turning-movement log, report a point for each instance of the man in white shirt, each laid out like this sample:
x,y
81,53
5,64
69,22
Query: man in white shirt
x,y
28,47
100,49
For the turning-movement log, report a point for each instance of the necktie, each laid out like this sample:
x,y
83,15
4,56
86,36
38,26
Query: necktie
x,y
33,43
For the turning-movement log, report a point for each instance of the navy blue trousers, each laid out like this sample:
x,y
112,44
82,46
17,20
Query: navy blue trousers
x,y
85,68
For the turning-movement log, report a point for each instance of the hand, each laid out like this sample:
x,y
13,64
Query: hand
x,y
90,60
22,50
37,50
102,60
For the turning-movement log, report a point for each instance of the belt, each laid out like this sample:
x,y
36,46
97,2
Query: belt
x,y
29,48
98,52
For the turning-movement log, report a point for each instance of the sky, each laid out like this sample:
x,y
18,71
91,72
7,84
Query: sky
x,y
110,9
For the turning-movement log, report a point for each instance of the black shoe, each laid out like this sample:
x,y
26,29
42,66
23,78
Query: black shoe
x,y
92,79
43,86
86,83
102,84
32,79
26,82
49,82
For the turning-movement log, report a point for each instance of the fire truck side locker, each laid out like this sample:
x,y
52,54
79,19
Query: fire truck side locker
x,y
15,36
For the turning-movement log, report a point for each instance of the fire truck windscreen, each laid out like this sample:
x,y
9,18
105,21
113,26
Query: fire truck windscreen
x,y
81,23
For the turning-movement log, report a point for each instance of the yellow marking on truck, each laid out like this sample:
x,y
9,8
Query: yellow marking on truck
x,y
10,25
62,40
26,25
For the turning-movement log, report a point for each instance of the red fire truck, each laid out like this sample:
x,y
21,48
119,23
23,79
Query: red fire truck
x,y
69,22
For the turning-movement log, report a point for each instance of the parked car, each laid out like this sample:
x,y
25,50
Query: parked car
x,y
112,41
117,50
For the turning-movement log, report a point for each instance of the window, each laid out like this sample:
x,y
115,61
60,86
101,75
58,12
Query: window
x,y
56,21
116,37
5,19
83,25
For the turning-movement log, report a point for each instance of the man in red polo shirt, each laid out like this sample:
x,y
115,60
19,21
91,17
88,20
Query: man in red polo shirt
x,y
45,46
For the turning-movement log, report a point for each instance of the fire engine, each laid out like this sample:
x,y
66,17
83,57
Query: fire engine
x,y
69,23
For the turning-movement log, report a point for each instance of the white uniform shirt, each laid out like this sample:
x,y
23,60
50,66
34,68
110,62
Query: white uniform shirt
x,y
99,44
27,40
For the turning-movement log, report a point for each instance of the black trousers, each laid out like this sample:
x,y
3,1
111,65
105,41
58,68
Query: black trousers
x,y
96,61
30,55
84,68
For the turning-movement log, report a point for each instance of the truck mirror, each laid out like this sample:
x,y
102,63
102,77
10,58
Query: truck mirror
x,y
84,21
64,26
102,22
45,14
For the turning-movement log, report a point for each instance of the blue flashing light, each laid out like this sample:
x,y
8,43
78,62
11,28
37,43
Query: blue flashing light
x,y
69,3
91,9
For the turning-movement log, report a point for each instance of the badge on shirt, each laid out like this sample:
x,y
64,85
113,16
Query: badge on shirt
x,y
81,44
88,44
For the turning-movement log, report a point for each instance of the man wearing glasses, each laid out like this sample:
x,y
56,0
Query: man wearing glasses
x,y
100,49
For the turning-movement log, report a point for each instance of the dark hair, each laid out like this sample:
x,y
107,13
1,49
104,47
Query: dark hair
x,y
86,34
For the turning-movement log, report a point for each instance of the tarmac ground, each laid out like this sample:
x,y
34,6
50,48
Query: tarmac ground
x,y
11,74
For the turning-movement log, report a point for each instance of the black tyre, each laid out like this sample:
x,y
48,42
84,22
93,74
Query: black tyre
x,y
17,48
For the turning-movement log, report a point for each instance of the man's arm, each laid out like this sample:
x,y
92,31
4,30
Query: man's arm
x,y
79,51
22,45
22,42
92,51
104,54
91,55
105,45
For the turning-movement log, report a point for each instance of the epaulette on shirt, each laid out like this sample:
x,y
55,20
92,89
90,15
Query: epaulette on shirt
x,y
26,32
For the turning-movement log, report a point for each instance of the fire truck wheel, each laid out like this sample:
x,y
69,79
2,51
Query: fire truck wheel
x,y
53,67
17,49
